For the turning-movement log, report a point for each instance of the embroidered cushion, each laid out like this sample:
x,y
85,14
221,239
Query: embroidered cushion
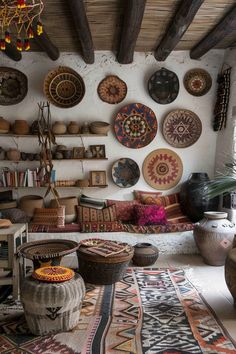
x,y
163,200
86,214
146,197
175,215
124,209
49,216
150,215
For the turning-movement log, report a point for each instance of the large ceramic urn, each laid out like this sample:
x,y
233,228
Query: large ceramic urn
x,y
214,236
193,198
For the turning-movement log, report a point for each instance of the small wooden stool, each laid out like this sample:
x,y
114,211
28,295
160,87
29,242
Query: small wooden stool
x,y
52,307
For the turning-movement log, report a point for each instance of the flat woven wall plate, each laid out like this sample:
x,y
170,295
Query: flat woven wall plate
x,y
181,128
13,86
135,125
197,82
162,169
112,89
125,173
163,86
64,87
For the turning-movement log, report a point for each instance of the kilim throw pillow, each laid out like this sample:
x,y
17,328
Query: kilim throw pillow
x,y
86,214
146,197
49,216
124,209
175,215
163,200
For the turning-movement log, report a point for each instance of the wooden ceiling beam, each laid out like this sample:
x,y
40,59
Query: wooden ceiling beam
x,y
45,43
179,25
12,52
133,15
82,28
221,30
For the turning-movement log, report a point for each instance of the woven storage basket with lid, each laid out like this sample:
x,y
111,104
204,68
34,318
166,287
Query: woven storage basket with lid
x,y
97,269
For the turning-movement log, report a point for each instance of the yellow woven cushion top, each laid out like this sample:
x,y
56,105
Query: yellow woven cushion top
x,y
53,274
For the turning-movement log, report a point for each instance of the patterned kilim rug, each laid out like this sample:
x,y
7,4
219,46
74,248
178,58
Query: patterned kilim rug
x,y
150,311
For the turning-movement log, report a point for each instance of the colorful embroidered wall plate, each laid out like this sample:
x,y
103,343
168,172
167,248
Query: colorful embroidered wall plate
x,y
13,86
163,86
162,169
112,89
181,128
53,274
197,82
125,173
135,125
64,87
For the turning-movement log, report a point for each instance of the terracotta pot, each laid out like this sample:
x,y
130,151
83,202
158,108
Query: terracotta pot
x,y
20,127
214,237
145,254
59,128
13,155
29,202
70,204
230,273
4,126
73,128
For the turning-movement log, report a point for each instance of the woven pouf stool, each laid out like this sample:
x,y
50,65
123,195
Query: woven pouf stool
x,y
230,273
52,307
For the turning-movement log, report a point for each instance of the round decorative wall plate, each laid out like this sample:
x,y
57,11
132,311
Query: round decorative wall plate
x,y
163,86
197,82
135,125
64,87
53,274
112,89
181,128
162,169
13,86
125,173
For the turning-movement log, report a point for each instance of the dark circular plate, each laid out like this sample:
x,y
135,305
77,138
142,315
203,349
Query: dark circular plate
x,y
162,169
112,89
197,82
64,87
163,86
13,86
125,173
182,128
135,125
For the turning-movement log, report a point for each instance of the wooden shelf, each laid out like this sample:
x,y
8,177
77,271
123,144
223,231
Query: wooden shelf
x,y
56,187
56,135
84,159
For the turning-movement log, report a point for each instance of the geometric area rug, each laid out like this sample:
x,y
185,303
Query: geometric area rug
x,y
150,311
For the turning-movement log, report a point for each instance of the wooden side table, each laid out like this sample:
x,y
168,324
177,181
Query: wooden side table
x,y
10,239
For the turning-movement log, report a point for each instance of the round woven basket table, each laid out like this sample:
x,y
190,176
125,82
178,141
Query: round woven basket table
x,y
101,270
47,252
52,307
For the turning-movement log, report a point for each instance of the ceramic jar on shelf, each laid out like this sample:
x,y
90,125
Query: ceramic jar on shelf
x,y
4,126
13,155
20,127
59,128
73,128
214,236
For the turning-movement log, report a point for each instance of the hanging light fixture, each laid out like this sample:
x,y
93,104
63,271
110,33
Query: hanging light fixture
x,y
16,20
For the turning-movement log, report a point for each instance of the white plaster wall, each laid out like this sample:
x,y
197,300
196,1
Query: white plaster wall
x,y
199,157
226,142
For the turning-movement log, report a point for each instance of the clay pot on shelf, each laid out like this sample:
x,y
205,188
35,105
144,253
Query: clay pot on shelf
x,y
29,202
145,254
73,128
4,126
13,155
59,128
99,127
214,237
20,127
70,204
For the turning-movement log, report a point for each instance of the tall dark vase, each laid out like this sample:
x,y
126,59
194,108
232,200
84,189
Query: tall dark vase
x,y
192,199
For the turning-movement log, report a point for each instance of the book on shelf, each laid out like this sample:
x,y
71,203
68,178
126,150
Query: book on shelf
x,y
28,178
92,202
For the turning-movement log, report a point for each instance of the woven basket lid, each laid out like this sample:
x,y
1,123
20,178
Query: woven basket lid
x,y
163,86
64,87
53,274
125,173
162,169
181,128
197,82
14,86
112,89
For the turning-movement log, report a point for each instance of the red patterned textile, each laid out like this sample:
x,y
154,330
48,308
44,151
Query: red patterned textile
x,y
143,196
175,215
50,228
150,215
157,229
124,208
112,226
160,199
86,214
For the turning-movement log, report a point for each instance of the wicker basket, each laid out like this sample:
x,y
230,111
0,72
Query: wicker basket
x,y
101,270
99,127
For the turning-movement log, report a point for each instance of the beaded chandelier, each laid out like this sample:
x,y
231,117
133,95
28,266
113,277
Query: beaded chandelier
x,y
16,20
